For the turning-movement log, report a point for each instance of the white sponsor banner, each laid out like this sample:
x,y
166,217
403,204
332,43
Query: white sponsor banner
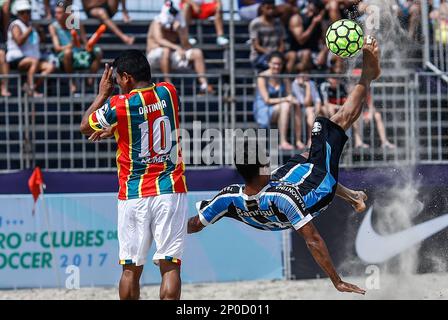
x,y
80,240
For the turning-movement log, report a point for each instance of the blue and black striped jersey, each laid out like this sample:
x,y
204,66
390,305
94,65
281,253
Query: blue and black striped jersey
x,y
278,206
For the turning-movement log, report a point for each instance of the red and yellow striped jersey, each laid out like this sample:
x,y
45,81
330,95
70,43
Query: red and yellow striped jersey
x,y
149,155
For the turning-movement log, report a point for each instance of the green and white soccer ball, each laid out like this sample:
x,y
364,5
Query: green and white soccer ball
x,y
345,38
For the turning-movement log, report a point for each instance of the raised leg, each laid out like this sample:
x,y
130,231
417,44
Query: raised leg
x,y
355,198
129,287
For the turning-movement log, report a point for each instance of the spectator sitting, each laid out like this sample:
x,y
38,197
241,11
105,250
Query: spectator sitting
x,y
104,10
23,47
287,8
72,57
168,47
202,10
307,95
266,34
306,39
273,101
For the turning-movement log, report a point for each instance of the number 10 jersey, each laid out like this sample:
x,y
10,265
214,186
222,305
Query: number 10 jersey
x,y
146,127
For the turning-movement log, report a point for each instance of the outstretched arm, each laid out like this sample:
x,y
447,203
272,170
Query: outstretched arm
x,y
355,198
318,249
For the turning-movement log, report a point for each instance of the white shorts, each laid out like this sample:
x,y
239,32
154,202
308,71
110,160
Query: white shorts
x,y
155,56
140,221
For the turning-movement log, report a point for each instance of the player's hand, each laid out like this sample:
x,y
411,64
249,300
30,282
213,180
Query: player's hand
x,y
348,287
107,84
182,54
102,134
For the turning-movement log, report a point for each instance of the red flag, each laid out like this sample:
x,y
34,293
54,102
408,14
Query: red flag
x,y
35,183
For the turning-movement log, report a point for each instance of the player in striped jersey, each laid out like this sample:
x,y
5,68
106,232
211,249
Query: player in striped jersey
x,y
296,193
152,189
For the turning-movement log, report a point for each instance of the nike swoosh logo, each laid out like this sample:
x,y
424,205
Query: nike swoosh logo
x,y
372,247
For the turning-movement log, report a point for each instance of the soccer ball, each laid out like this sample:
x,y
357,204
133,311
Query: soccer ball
x,y
345,38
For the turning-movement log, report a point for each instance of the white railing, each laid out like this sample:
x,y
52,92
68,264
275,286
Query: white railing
x,y
45,131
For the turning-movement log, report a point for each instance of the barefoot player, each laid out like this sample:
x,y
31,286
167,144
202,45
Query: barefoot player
x,y
297,192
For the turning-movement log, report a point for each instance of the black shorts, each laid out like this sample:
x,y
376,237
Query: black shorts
x,y
317,176
106,7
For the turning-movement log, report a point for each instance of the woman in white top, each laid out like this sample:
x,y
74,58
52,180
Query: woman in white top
x,y
23,47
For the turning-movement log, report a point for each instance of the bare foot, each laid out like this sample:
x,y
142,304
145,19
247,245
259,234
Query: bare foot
x,y
286,146
371,69
358,202
129,40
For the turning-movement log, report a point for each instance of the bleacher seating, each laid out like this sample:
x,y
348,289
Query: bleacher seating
x,y
59,113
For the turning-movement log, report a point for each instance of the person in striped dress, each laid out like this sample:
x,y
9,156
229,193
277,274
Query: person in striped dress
x,y
152,200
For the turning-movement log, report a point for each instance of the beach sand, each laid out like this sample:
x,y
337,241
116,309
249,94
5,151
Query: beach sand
x,y
426,286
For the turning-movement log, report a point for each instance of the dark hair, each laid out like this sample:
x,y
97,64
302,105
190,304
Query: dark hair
x,y
173,10
276,54
135,64
247,161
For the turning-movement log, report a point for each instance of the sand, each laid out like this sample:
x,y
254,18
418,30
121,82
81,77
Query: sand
x,y
427,286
